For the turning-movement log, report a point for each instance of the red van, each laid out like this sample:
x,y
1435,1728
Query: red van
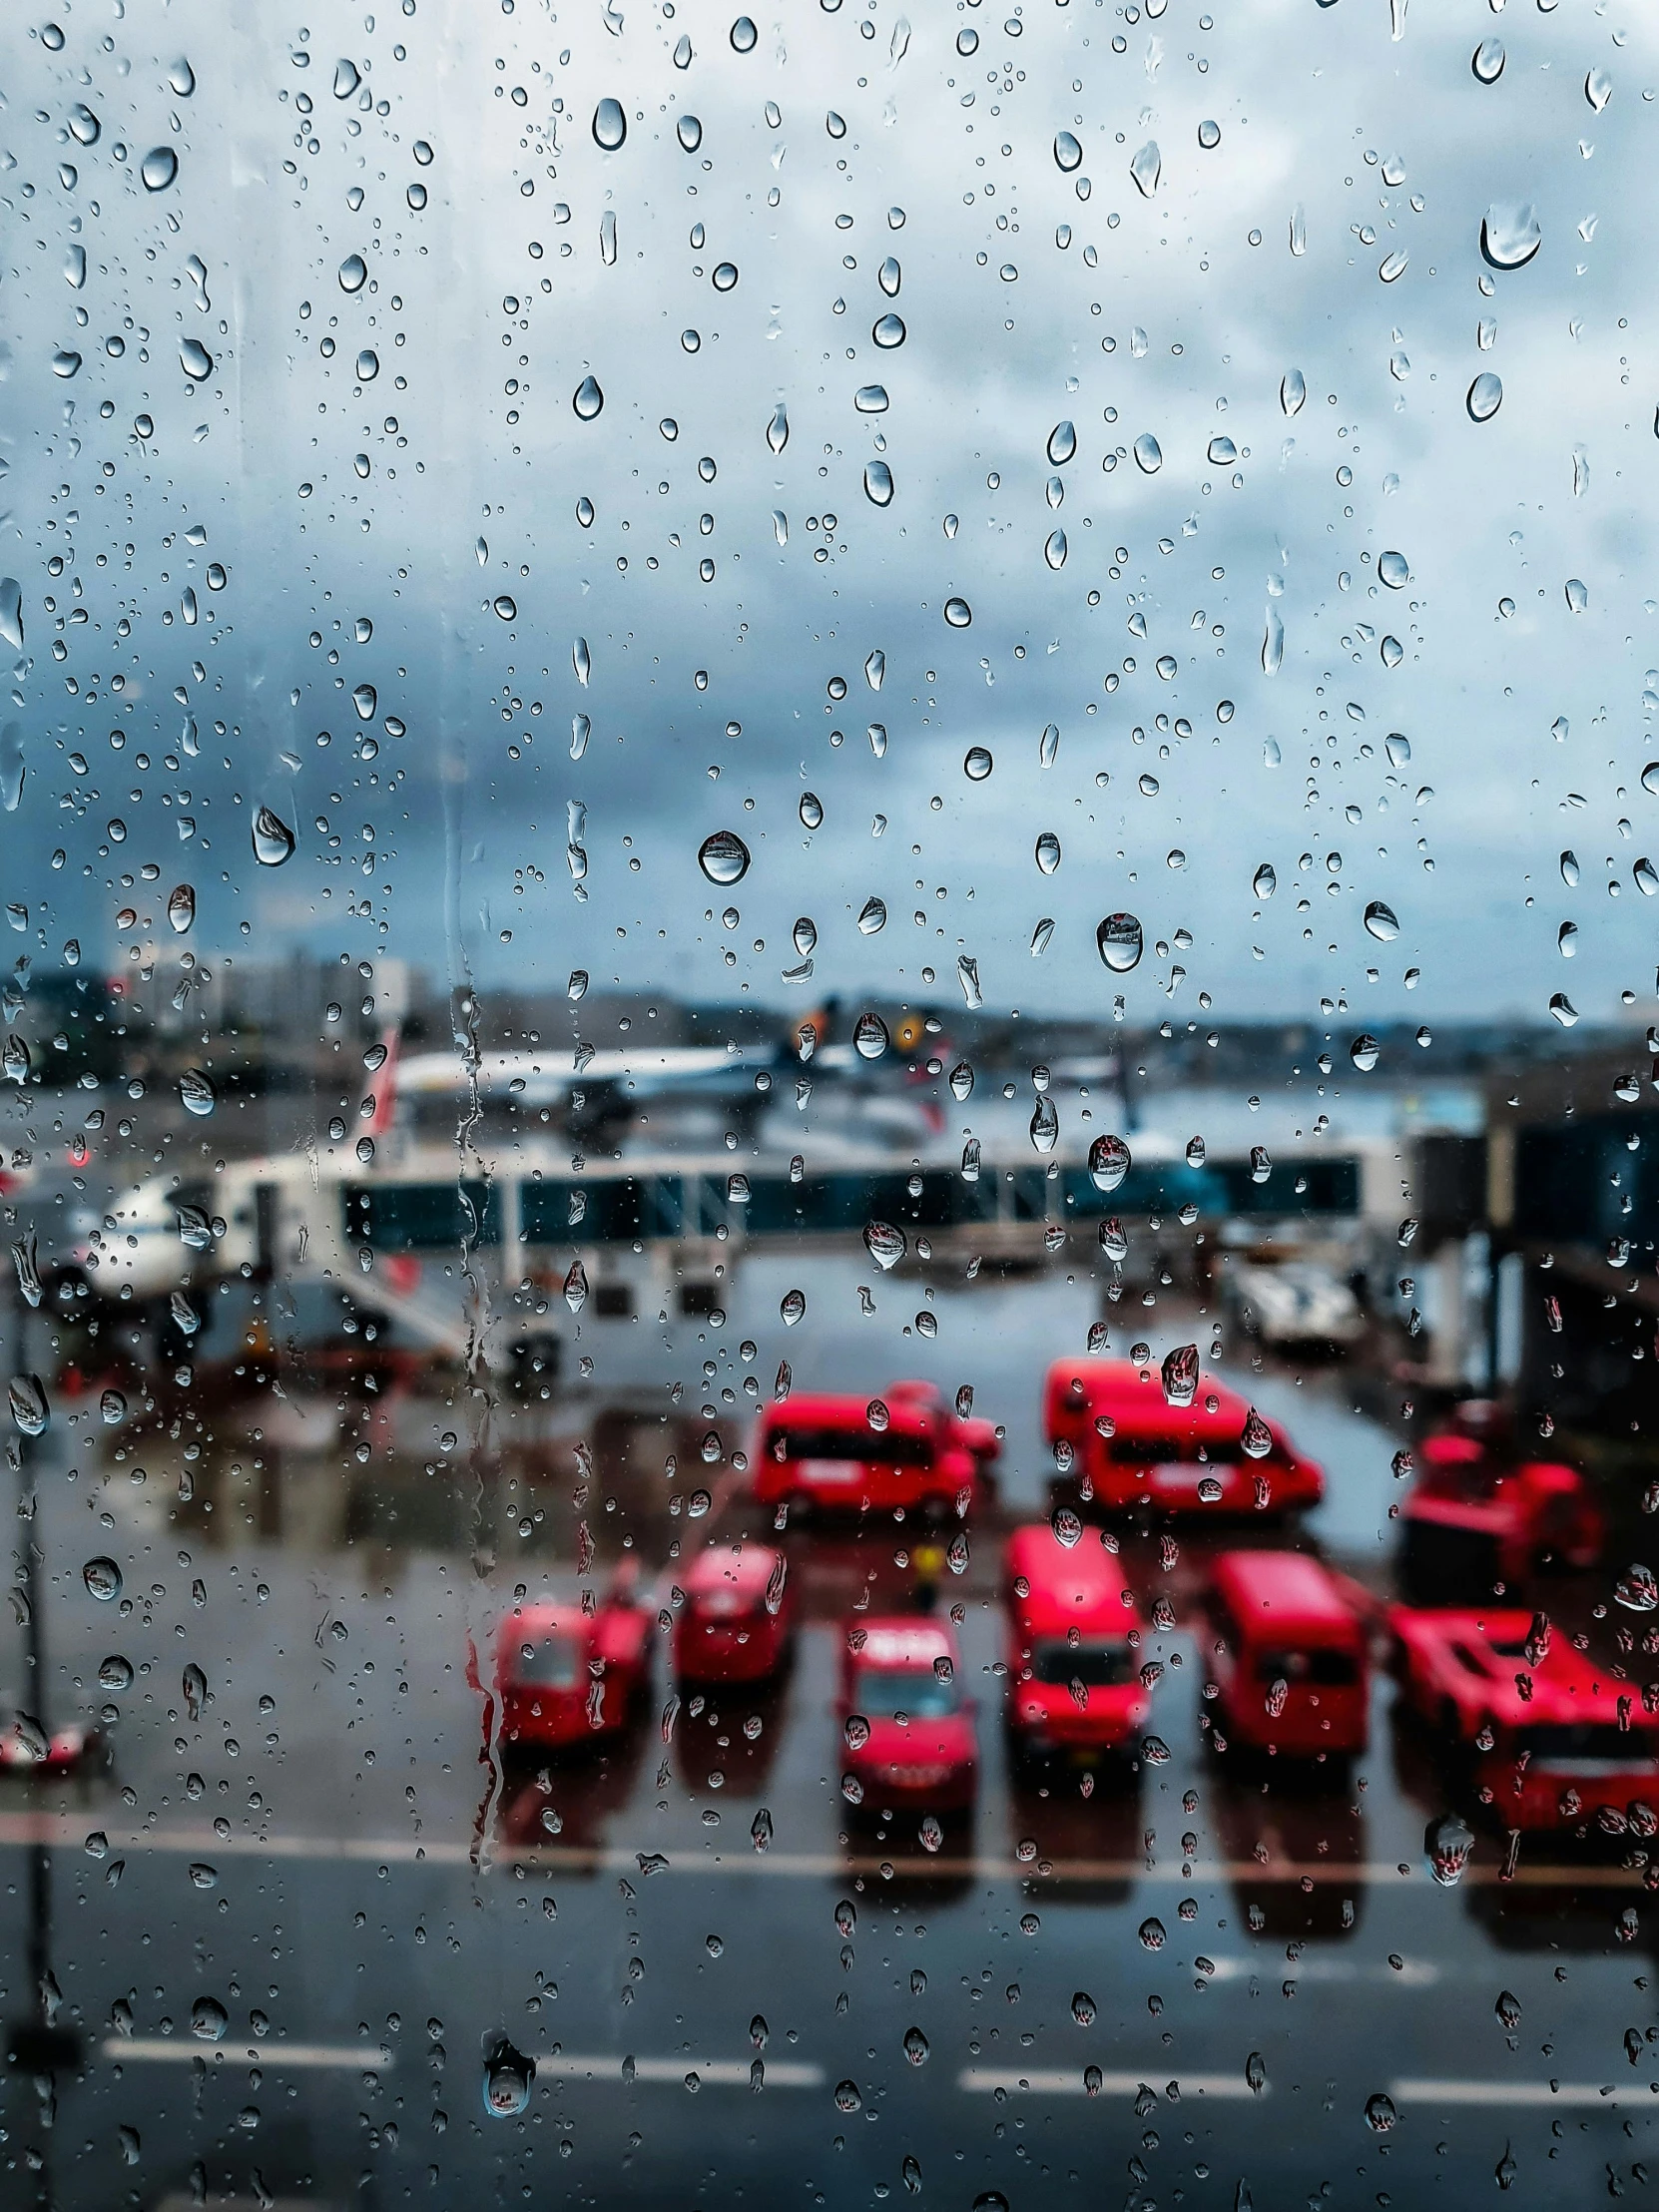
x,y
1074,1685
910,1734
1129,1446
737,1616
1553,1740
1291,1657
1474,1519
567,1677
827,1453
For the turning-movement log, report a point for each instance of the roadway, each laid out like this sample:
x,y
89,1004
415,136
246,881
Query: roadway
x,y
315,1843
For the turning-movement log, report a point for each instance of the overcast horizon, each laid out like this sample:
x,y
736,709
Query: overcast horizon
x,y
367,435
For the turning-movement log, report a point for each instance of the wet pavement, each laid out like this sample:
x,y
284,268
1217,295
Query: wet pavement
x,y
298,1919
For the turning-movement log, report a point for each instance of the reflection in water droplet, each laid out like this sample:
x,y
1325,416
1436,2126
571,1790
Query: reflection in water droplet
x,y
1109,1162
364,698
792,1307
1054,549
1364,1052
888,333
353,273
744,35
872,915
724,857
879,485
26,1395
870,1036
1510,233
610,125
196,1093
1179,1374
159,167
957,613
1598,89
810,810
978,763
870,400
1063,444
1221,452
1149,455
1045,1125
1146,167
273,839
1394,570
1487,61
1485,397
1209,136
1293,391
1257,1439
1120,942
84,126
507,2078
777,429
1382,921
587,399
102,1579
195,360
1048,851
689,131
1068,154
885,1244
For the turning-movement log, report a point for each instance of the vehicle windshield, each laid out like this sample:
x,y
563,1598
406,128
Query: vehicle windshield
x,y
548,1663
873,1447
1592,1743
1319,1665
881,1692
1098,1663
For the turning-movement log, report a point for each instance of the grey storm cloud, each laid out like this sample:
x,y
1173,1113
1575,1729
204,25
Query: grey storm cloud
x,y
398,253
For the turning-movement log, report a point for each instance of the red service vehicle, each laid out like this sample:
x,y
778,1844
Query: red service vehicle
x,y
736,1622
566,1677
1074,1684
825,1453
1540,1720
1129,1446
1293,1662
1475,1519
910,1734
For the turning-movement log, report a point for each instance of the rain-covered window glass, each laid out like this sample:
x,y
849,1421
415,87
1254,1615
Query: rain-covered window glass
x,y
829,1129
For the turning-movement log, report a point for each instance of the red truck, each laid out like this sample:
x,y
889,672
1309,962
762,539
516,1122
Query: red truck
x,y
910,1738
1291,1657
1123,1444
841,1454
1074,1685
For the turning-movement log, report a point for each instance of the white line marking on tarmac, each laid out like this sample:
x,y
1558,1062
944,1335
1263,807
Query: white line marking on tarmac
x,y
715,2073
65,1830
277,2057
1517,2093
1069,2083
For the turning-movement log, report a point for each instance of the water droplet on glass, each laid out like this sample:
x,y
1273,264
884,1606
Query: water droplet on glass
x,y
1364,1052
1054,549
1180,1375
274,840
1576,594
1449,1842
978,763
1068,153
1146,167
1120,942
885,1244
870,1036
1598,89
1063,444
1487,61
11,612
610,125
1109,1162
84,126
26,1395
507,2078
587,399
777,429
196,1093
195,360
209,2020
1381,923
744,35
1066,1525
1485,397
810,810
576,1287
724,857
967,974
872,915
1048,852
102,1579
792,1306
689,131
1379,2112
889,331
890,277
1510,233
1152,1935
1256,1440
1221,452
1149,455
879,485
1394,570
915,2047
353,273
1045,1125
66,362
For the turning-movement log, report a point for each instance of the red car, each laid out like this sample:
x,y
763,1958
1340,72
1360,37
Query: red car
x,y
1074,1683
567,1677
1554,1741
910,1737
1473,1521
736,1622
1129,1446
1291,1657
827,1453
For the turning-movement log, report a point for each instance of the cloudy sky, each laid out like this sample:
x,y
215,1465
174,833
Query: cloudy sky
x,y
344,336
